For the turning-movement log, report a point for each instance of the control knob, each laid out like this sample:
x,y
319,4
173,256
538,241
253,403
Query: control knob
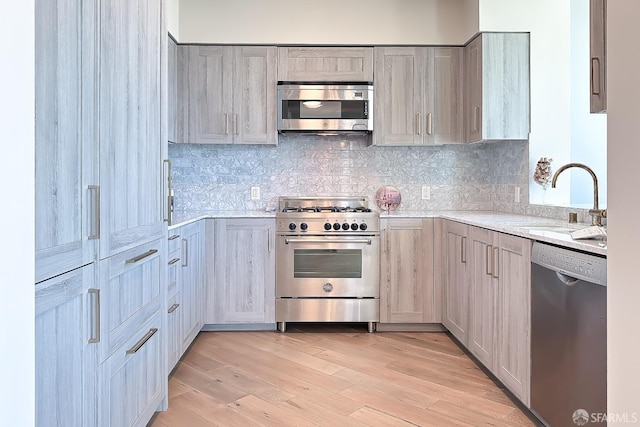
x,y
336,226
345,226
327,226
363,226
304,226
292,226
354,226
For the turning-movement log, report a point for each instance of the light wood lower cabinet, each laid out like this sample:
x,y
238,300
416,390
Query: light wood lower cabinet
x,y
66,335
192,286
244,290
406,271
495,323
455,309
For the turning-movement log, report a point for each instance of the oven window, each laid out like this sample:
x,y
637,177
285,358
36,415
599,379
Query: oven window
x,y
327,263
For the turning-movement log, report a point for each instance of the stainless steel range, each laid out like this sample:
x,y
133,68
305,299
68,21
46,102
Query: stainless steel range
x,y
327,261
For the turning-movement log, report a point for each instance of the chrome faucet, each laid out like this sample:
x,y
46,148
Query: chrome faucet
x,y
596,213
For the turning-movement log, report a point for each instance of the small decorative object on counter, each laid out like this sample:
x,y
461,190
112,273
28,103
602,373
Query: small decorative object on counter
x,y
388,198
542,174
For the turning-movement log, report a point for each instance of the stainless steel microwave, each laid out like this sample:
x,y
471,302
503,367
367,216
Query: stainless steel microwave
x,y
325,108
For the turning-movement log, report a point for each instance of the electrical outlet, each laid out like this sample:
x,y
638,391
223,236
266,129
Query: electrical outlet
x,y
255,193
426,192
517,195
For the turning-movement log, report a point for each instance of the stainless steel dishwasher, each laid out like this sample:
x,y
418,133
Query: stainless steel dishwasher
x,y
568,336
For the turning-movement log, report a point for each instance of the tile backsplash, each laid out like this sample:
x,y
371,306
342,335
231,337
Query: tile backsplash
x,y
462,177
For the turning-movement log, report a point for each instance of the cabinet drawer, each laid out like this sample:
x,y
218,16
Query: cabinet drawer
x,y
174,338
131,288
132,378
173,240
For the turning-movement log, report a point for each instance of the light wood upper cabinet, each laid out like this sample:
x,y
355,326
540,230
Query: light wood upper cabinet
x,y
455,309
131,138
244,258
66,331
232,95
406,271
496,92
598,48
66,192
325,64
417,96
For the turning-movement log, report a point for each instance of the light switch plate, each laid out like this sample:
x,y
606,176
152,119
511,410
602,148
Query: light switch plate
x,y
255,193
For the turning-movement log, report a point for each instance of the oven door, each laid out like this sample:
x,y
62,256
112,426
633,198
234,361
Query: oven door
x,y
328,266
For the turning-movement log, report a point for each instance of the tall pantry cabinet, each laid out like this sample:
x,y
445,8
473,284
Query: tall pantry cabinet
x,y
99,223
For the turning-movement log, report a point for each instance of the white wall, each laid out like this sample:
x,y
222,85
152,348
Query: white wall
x,y
547,21
173,17
623,287
327,22
17,254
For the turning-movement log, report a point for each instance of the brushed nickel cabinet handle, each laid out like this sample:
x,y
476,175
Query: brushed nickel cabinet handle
x,y
141,256
95,223
173,308
167,163
496,263
95,321
269,239
235,124
419,124
488,261
173,261
143,341
476,119
429,124
463,252
595,72
174,237
226,123
185,252
291,241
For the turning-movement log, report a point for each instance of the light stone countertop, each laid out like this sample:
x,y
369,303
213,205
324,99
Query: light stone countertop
x,y
496,221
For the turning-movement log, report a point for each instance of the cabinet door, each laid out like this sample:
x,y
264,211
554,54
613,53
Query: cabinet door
x,y
130,125
443,96
473,90
483,284
192,276
598,43
66,327
406,288
399,89
210,94
65,145
254,95
456,288
133,378
131,284
325,64
514,318
245,271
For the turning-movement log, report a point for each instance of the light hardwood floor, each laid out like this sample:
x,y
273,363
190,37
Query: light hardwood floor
x,y
332,375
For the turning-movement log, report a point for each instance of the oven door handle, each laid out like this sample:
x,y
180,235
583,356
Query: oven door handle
x,y
288,241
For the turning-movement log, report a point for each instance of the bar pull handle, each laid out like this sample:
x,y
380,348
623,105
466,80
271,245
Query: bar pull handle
x,y
235,124
496,263
173,308
595,75
141,256
476,119
429,124
291,241
173,261
185,252
419,124
173,237
463,252
488,260
143,341
167,164
95,223
95,316
269,240
226,123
